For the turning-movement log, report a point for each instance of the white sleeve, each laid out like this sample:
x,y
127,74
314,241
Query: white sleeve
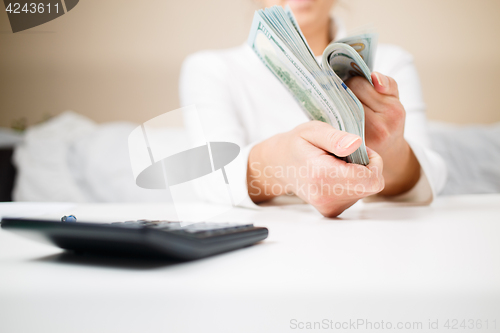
x,y
433,170
205,82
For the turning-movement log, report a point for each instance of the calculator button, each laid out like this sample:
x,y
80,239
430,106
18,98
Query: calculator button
x,y
165,225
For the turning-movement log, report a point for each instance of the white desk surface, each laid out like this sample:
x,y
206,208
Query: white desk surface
x,y
377,262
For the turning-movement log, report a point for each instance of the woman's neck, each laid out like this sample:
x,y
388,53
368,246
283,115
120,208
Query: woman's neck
x,y
318,37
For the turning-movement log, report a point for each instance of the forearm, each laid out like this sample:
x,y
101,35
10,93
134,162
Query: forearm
x,y
401,171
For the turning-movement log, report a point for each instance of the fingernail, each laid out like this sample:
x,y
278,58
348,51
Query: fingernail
x,y
382,79
348,140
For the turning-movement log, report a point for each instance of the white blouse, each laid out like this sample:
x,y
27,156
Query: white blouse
x,y
239,100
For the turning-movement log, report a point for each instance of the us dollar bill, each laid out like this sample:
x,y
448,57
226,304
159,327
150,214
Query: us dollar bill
x,y
302,84
351,56
364,44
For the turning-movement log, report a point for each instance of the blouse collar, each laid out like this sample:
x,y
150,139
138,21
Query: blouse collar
x,y
337,28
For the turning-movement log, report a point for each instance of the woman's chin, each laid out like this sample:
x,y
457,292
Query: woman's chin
x,y
301,5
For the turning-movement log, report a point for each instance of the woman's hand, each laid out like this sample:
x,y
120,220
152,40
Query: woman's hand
x,y
384,129
300,161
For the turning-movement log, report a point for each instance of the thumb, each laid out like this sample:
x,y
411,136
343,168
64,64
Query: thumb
x,y
326,137
384,84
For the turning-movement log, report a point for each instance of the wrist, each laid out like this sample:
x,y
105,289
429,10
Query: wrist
x,y
261,181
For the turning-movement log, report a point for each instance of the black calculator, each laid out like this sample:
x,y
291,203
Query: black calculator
x,y
150,238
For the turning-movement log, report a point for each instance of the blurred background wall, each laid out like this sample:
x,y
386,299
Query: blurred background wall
x,y
120,59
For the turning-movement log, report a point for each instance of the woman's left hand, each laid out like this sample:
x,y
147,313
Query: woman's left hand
x,y
384,130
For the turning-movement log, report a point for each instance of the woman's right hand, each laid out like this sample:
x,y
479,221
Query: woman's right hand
x,y
300,162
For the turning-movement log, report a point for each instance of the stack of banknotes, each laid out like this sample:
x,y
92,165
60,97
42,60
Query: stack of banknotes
x,y
317,84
